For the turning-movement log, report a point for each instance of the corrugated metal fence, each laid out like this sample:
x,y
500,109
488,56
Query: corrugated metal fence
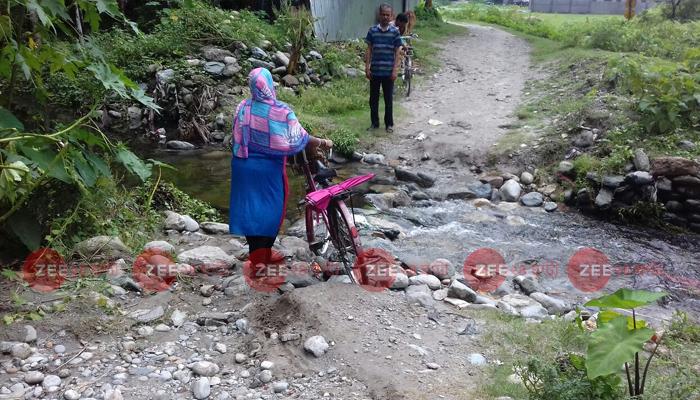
x,y
349,19
616,7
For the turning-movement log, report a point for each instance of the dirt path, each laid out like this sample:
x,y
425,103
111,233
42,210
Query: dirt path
x,y
474,95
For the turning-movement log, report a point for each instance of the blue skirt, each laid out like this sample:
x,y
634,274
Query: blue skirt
x,y
259,191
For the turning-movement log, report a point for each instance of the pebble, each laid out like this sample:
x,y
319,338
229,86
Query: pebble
x,y
241,358
221,348
280,387
64,373
245,374
21,351
477,359
34,377
201,388
242,325
71,395
205,368
432,366
162,328
59,349
266,365
316,345
50,381
265,376
145,331
29,334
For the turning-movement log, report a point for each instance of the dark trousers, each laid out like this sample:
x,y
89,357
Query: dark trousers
x,y
264,245
387,86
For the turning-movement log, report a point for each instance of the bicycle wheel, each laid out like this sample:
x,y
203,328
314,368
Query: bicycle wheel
x,y
317,234
346,239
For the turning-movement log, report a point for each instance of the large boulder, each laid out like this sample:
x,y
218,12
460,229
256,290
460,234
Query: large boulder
x,y
510,191
179,222
476,190
604,199
523,305
280,59
421,178
208,257
674,166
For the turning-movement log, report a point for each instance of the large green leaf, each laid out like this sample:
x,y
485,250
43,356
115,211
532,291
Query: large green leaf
x,y
27,229
32,5
606,316
46,158
84,168
108,7
9,121
626,299
99,165
612,345
56,8
132,163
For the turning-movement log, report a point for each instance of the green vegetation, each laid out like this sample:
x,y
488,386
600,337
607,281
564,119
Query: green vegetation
x,y
559,359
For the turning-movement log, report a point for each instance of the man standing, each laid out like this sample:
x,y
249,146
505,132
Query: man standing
x,y
382,65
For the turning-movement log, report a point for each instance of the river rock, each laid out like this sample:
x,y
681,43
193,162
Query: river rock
x,y
566,168
231,70
201,388
71,395
174,221
400,278
473,191
280,387
639,178
165,76
33,377
423,279
257,52
29,334
290,80
458,290
510,191
159,245
422,179
204,368
526,178
441,268
229,60
532,199
106,247
179,145
420,294
477,359
148,315
214,68
211,53
207,256
51,381
281,71
339,279
687,145
686,180
134,114
261,64
215,228
524,306
527,284
280,59
440,295
641,160
613,181
553,306
550,206
674,166
316,345
604,199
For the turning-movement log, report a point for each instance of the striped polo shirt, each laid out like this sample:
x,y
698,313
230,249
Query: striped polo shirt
x,y
384,44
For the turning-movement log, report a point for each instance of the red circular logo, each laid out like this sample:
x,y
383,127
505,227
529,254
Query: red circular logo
x,y
44,270
375,269
266,270
589,270
155,270
485,270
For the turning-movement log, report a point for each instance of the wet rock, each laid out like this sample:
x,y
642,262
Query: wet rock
x,y
473,191
315,55
693,204
641,160
674,166
375,159
604,199
316,345
532,199
178,318
103,247
179,145
613,181
160,245
256,63
204,368
215,228
291,80
550,206
584,198
458,290
201,388
209,257
553,306
422,179
510,191
526,178
527,284
33,377
639,178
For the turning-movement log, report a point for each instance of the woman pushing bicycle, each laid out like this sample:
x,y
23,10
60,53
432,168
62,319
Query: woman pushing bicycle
x,y
265,132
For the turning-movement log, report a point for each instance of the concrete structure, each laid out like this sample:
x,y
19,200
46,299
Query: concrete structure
x,y
615,7
349,19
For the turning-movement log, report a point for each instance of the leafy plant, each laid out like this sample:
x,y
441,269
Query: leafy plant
x,y
619,338
298,23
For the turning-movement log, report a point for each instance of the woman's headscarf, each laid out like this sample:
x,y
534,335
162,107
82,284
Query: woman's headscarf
x,y
265,125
